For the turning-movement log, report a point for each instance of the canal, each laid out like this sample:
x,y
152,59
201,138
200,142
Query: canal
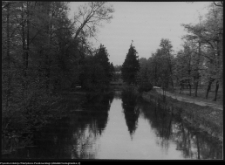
x,y
120,125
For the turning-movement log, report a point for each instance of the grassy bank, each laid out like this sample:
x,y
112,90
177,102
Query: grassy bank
x,y
200,95
204,118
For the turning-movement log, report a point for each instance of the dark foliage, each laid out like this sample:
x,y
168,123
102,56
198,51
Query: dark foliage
x,y
145,87
96,71
130,67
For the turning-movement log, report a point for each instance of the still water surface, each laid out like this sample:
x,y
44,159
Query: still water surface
x,y
120,126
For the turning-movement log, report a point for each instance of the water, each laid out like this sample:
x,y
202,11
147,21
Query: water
x,y
120,126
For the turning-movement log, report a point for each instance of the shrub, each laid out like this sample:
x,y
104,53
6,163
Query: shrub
x,y
145,87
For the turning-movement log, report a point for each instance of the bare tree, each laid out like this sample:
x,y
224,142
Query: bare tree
x,y
90,16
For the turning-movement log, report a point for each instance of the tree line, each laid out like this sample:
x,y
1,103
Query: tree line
x,y
44,52
198,63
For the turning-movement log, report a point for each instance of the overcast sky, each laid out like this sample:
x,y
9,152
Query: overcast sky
x,y
146,23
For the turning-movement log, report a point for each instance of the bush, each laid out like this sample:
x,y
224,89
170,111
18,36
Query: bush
x,y
145,87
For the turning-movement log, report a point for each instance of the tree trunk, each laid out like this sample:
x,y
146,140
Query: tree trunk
x,y
197,70
24,53
27,46
190,88
8,59
8,91
216,91
172,82
196,88
28,36
171,73
47,60
209,87
189,74
181,88
218,64
47,74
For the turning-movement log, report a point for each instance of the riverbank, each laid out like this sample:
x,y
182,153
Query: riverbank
x,y
19,125
205,118
190,99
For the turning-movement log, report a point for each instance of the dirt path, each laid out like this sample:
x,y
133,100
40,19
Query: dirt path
x,y
189,100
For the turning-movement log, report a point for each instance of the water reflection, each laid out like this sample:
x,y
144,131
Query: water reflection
x,y
131,111
91,125
170,128
121,127
97,109
73,136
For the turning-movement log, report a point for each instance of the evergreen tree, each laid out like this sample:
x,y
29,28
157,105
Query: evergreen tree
x,y
102,59
97,71
104,67
130,66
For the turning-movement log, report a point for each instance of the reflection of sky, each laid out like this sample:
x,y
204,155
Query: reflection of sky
x,y
116,143
66,138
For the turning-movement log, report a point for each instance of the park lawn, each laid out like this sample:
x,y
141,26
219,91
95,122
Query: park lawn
x,y
201,95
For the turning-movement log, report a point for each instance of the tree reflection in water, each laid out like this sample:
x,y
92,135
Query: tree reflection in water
x,y
131,110
91,123
171,127
74,136
77,134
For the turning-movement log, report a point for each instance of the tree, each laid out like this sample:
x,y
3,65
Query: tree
x,y
154,62
183,68
40,56
158,69
144,80
197,43
8,53
90,17
102,58
97,71
208,35
143,71
166,57
130,66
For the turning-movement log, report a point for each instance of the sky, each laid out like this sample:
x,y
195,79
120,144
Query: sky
x,y
146,23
